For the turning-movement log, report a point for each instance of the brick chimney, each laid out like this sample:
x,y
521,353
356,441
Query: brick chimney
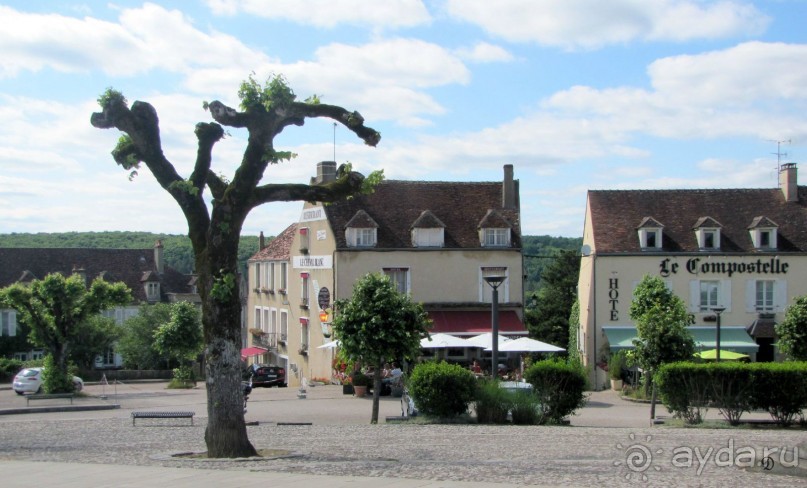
x,y
326,172
158,256
788,182
261,242
508,188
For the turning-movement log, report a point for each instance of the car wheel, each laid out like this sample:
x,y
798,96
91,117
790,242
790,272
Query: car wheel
x,y
77,386
283,385
38,390
19,392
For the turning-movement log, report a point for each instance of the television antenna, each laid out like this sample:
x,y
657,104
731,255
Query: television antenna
x,y
779,156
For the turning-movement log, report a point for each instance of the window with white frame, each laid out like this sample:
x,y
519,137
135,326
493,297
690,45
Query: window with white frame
x,y
765,296
258,317
495,237
8,323
428,237
764,238
705,295
284,324
258,275
270,276
304,295
305,239
486,291
284,275
152,290
399,277
361,236
709,294
304,334
708,238
265,320
650,238
273,321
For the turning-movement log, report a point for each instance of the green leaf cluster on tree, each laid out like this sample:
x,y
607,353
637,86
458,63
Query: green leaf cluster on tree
x,y
547,318
98,334
55,308
180,338
792,331
136,346
379,324
539,252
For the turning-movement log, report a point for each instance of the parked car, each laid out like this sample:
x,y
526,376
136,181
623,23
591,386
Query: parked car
x,y
266,376
29,380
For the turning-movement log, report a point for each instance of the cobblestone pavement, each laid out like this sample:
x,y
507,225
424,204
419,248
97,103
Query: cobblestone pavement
x,y
558,456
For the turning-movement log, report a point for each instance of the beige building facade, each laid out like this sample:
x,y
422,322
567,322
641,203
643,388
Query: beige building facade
x,y
737,256
434,239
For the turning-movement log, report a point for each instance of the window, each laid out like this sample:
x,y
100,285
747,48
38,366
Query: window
x,y
650,238
400,277
284,325
257,324
273,321
432,237
709,294
361,237
304,296
709,239
152,291
257,276
496,237
305,240
764,296
265,320
284,275
8,323
303,335
270,276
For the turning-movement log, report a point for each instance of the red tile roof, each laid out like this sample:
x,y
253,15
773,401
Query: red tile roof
x,y
279,248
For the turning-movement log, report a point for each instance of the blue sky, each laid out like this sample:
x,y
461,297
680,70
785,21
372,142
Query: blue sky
x,y
576,94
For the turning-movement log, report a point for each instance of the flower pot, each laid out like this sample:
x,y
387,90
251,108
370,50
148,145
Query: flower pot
x,y
616,385
347,389
359,391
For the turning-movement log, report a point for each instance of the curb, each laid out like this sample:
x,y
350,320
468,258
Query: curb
x,y
59,408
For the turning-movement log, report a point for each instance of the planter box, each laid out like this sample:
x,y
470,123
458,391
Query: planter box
x,y
347,389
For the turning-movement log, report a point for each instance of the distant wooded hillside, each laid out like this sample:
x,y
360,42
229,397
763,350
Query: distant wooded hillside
x,y
179,255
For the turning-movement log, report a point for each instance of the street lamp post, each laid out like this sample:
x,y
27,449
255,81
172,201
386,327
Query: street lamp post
x,y
717,311
495,281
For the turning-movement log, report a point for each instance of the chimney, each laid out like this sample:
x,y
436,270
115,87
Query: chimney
x,y
508,188
261,242
158,256
326,172
79,270
788,182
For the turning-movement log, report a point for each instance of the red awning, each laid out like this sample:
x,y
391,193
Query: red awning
x,y
475,322
252,351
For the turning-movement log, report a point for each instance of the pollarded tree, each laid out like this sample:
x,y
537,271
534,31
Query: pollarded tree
x,y
661,321
55,308
379,324
215,231
792,331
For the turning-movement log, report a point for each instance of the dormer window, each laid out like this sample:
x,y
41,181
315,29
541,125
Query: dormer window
x,y
494,230
361,230
428,231
152,291
763,233
707,232
650,234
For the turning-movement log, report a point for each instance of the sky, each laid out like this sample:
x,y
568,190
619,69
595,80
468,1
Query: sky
x,y
577,95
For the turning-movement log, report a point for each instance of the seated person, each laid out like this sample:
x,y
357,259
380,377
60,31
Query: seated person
x,y
476,368
395,374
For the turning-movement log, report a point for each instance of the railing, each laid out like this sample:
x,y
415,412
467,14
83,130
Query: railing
x,y
266,339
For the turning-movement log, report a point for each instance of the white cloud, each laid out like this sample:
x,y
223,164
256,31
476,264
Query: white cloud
x,y
483,52
328,13
591,24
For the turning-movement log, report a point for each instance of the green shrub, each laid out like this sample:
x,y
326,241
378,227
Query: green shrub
x,y
525,408
685,390
440,389
559,386
781,389
732,384
361,379
9,368
53,380
492,402
616,362
184,377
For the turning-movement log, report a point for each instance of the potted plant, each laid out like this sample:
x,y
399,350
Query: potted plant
x,y
347,386
360,383
615,365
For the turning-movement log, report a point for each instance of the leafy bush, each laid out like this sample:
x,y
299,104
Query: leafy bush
x,y
492,403
361,379
732,384
615,364
781,389
559,386
685,390
184,377
442,389
9,367
54,380
525,408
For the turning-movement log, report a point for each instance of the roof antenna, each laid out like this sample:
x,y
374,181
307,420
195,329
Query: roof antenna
x,y
779,155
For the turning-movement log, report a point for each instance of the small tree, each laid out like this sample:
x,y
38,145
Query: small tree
x,y
549,319
95,335
661,325
137,344
181,338
55,307
379,324
792,331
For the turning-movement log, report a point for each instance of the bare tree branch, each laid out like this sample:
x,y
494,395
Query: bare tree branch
x,y
346,186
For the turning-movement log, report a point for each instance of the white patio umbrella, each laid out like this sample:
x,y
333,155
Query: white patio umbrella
x,y
525,344
444,341
486,341
329,345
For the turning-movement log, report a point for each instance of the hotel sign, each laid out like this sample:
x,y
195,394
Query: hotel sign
x,y
312,262
697,266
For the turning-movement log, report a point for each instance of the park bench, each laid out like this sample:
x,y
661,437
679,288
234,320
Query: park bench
x,y
48,396
162,415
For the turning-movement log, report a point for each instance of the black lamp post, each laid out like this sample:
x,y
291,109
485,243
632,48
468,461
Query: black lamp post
x,y
495,281
717,311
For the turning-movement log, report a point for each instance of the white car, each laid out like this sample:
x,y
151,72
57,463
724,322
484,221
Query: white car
x,y
29,380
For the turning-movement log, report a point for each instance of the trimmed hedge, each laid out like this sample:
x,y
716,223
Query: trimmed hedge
x,y
734,388
440,389
559,386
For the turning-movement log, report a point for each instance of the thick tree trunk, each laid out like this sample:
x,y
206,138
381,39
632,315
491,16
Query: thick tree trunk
x,y
226,434
376,391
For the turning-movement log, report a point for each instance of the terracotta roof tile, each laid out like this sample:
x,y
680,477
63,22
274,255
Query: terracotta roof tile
x,y
279,248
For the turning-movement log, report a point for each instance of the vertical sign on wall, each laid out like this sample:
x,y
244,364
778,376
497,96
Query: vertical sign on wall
x,y
613,298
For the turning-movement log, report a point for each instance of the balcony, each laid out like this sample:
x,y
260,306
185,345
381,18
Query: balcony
x,y
264,339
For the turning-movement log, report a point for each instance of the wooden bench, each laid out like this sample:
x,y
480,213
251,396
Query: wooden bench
x,y
48,396
162,415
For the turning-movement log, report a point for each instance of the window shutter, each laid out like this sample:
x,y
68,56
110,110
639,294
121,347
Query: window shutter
x,y
779,295
751,296
725,295
694,296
